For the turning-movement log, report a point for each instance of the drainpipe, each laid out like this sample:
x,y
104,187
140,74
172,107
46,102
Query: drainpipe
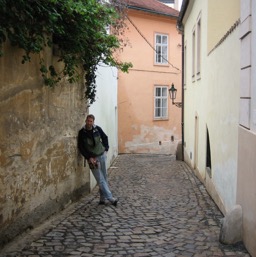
x,y
180,27
182,98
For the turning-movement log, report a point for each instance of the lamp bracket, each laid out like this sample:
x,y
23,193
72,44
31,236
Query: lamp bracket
x,y
177,104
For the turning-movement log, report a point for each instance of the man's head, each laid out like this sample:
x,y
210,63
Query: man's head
x,y
89,122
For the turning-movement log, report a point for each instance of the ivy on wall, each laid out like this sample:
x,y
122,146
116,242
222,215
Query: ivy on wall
x,y
76,27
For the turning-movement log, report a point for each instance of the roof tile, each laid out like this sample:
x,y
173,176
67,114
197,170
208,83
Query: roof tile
x,y
152,6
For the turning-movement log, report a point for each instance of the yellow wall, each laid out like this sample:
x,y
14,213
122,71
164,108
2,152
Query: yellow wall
x,y
220,19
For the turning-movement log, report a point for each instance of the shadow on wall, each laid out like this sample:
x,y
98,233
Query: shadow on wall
x,y
179,152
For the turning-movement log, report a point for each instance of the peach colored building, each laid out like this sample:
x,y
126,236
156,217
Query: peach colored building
x,y
147,120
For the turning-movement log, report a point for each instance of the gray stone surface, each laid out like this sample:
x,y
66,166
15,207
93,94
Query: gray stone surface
x,y
163,210
231,228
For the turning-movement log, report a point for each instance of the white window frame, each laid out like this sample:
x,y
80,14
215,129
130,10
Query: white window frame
x,y
185,64
161,57
160,102
198,55
193,53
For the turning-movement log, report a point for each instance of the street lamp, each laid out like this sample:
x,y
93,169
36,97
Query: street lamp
x,y
172,92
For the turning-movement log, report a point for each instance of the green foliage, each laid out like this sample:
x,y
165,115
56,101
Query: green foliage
x,y
76,27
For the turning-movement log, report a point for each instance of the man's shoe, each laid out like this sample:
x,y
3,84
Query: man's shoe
x,y
115,202
101,202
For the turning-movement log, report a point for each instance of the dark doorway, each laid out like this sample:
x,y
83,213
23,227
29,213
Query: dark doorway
x,y
208,155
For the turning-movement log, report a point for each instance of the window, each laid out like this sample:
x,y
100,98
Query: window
x,y
170,3
185,63
193,52
198,58
167,1
161,46
161,102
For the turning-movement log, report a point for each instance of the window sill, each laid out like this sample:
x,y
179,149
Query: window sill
x,y
160,119
162,64
198,76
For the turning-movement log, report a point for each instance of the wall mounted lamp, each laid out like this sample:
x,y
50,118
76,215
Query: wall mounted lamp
x,y
172,92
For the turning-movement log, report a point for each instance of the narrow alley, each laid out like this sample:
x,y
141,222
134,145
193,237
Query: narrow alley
x,y
163,210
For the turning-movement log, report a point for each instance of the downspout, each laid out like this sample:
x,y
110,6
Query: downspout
x,y
180,27
182,97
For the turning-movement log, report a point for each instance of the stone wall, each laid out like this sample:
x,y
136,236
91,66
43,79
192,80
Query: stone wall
x,y
41,170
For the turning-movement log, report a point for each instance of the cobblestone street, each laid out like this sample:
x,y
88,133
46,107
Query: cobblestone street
x,y
163,210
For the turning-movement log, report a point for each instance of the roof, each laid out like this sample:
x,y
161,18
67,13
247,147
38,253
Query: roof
x,y
152,6
183,10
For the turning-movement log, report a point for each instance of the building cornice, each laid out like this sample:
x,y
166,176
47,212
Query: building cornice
x,y
151,11
183,10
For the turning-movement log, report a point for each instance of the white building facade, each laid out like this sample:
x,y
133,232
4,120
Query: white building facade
x,y
105,110
211,80
246,190
220,103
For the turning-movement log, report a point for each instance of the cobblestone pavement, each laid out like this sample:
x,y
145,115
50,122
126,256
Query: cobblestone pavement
x,y
163,210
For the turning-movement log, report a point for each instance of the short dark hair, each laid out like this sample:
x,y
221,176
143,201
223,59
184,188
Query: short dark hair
x,y
90,116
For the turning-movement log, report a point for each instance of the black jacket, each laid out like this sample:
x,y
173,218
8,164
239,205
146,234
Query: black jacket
x,y
83,134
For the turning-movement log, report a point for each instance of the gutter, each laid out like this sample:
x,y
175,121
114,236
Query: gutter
x,y
180,27
182,100
183,10
151,11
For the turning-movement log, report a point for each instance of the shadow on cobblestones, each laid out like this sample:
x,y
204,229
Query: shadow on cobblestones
x,y
163,210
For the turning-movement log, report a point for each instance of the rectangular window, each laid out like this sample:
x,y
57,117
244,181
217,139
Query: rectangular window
x,y
161,47
185,64
193,52
167,1
198,59
161,102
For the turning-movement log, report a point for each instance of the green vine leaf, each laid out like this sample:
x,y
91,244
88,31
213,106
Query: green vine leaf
x,y
76,27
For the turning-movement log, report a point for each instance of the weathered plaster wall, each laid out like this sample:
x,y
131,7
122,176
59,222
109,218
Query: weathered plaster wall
x,y
195,89
218,26
246,190
246,186
105,106
138,131
40,168
222,118
211,102
105,109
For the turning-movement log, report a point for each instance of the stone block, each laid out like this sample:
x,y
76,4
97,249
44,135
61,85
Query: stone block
x,y
231,229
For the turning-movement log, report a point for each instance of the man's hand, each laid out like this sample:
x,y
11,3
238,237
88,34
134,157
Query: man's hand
x,y
92,163
92,160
